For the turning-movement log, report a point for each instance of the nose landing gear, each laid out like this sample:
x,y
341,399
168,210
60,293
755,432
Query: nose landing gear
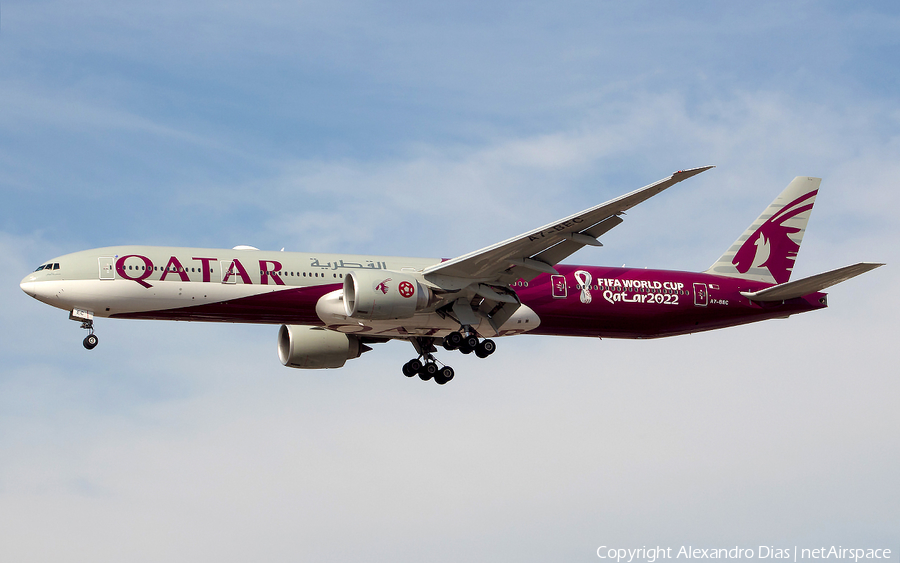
x,y
90,341
86,318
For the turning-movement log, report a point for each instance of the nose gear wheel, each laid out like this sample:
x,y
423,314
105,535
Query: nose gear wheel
x,y
90,341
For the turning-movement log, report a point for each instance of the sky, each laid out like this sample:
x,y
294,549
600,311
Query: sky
x,y
434,129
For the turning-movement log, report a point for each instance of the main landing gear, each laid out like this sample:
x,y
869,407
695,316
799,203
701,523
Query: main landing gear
x,y
428,369
469,343
426,365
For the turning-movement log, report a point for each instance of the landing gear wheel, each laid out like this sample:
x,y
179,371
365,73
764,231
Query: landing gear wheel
x,y
470,341
465,349
428,371
91,341
412,367
452,341
485,348
445,375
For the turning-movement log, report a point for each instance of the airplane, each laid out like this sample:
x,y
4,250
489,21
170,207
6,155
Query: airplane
x,y
332,307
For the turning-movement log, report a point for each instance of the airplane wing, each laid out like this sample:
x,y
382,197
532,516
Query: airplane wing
x,y
538,251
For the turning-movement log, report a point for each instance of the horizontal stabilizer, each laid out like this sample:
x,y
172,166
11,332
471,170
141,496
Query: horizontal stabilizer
x,y
812,284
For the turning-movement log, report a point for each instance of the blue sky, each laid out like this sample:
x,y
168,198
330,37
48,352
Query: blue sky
x,y
433,130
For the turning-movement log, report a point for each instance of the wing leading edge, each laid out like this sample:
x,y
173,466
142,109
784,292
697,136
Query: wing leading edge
x,y
538,251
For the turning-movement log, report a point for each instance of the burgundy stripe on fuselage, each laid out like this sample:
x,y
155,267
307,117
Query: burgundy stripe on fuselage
x,y
287,306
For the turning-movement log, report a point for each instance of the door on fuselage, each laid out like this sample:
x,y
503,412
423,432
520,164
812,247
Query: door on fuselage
x,y
558,287
107,269
701,295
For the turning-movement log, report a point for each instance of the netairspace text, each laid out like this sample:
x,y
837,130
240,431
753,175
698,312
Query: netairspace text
x,y
651,554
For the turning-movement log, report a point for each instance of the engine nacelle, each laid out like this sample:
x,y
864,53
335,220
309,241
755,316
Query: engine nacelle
x,y
314,347
381,295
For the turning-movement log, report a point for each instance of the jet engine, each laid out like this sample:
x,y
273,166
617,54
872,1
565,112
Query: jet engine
x,y
381,295
314,347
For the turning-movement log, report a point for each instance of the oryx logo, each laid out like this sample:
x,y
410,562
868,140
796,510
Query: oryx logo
x,y
770,246
382,287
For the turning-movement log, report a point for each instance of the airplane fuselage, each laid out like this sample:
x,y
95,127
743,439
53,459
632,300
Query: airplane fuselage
x,y
293,288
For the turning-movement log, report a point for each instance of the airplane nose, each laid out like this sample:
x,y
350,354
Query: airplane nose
x,y
28,287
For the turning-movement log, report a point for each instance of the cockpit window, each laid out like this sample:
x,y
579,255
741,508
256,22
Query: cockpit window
x,y
54,266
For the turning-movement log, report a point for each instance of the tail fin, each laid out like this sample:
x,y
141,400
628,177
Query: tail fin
x,y
767,249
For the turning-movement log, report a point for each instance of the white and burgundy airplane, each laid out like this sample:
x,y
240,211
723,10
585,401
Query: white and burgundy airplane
x,y
332,306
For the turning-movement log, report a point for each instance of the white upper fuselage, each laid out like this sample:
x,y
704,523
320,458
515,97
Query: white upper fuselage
x,y
208,284
126,279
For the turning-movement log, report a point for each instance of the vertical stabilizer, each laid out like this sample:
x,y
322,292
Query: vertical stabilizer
x,y
767,249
